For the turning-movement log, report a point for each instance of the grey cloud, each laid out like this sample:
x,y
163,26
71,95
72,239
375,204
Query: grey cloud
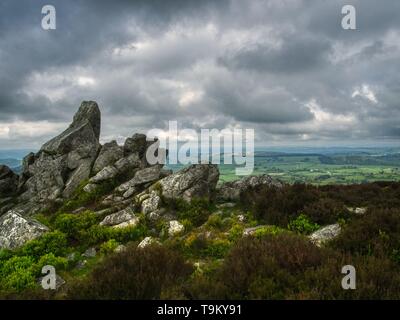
x,y
239,77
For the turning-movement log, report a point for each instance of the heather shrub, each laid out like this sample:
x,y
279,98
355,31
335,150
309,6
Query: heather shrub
x,y
375,233
134,274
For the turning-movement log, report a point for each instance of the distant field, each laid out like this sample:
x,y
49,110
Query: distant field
x,y
309,169
347,166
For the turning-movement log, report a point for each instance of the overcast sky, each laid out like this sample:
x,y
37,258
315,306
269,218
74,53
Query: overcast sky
x,y
283,67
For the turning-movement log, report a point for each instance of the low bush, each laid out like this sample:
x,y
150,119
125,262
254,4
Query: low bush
x,y
134,274
51,242
302,224
375,233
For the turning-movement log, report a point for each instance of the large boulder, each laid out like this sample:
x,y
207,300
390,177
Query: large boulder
x,y
65,161
109,154
135,144
15,230
121,219
231,191
8,181
195,181
141,177
325,234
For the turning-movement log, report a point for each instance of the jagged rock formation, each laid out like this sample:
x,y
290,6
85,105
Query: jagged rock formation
x,y
133,186
15,230
231,191
63,162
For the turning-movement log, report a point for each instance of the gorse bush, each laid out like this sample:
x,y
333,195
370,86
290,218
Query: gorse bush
x,y
134,274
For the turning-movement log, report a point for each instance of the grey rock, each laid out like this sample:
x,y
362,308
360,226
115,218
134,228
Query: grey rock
x,y
90,187
79,210
152,203
132,161
8,181
175,227
251,231
120,248
130,223
136,144
226,205
129,193
231,191
141,177
107,173
195,181
147,242
122,216
81,264
16,230
89,253
325,234
109,154
358,211
106,211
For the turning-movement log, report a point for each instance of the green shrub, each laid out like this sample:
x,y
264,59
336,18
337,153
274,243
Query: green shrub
x,y
197,211
73,224
17,274
51,242
109,246
215,221
59,263
302,224
236,232
97,234
216,249
268,230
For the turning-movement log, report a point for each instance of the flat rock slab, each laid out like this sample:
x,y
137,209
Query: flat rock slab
x,y
16,230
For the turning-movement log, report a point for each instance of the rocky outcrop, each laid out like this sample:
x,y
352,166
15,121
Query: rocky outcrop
x,y
141,177
109,154
195,181
325,234
15,230
231,191
121,219
65,161
8,181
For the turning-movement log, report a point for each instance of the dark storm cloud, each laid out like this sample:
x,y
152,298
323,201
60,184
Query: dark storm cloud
x,y
286,68
296,54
